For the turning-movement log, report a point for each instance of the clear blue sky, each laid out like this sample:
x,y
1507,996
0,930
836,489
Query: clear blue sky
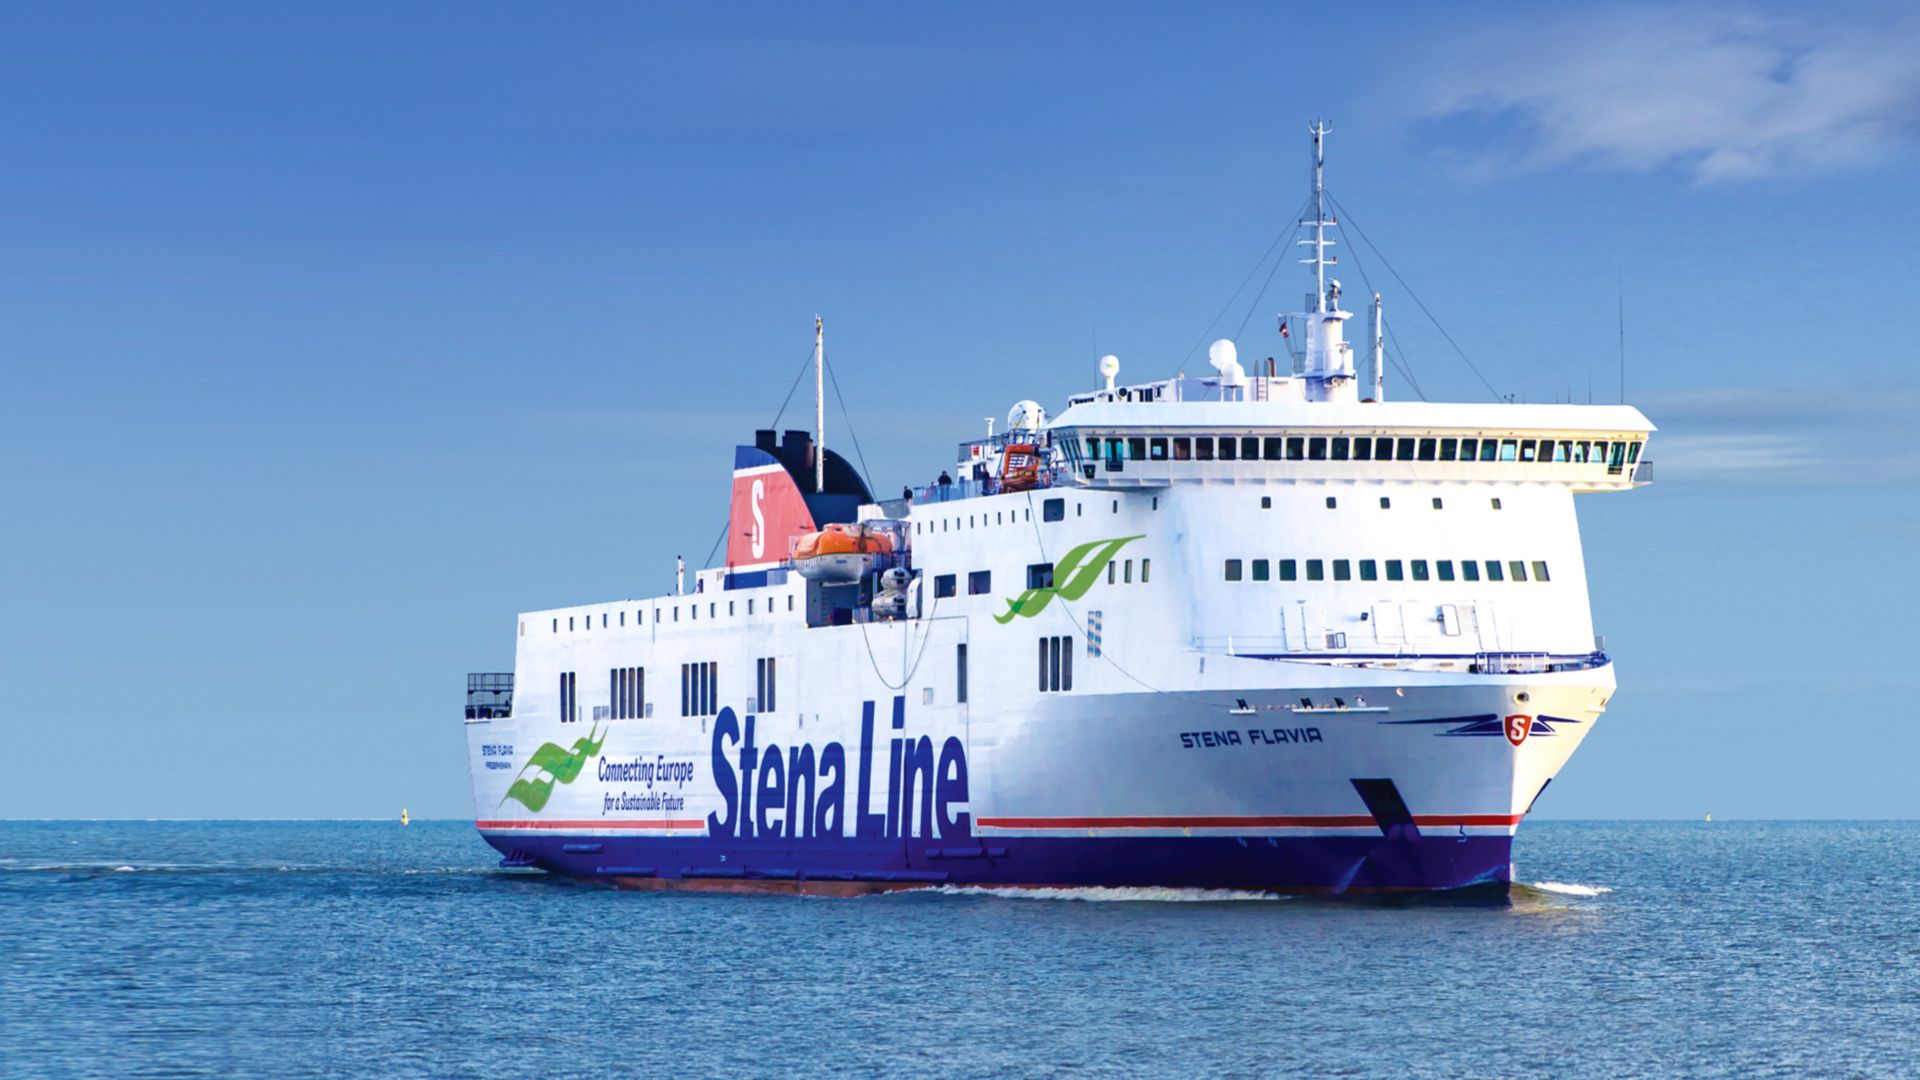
x,y
330,340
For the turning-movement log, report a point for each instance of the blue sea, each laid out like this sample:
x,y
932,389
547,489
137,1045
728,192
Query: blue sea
x,y
306,948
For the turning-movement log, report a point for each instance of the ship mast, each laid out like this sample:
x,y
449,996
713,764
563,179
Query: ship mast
x,y
819,406
1327,364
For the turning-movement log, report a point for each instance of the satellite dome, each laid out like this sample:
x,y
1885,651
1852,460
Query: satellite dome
x,y
1026,416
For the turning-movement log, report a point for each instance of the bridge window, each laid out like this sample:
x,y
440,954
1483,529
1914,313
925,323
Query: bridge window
x,y
1444,567
1272,449
1369,570
1395,571
1419,568
1229,449
1493,571
1317,448
979,582
1203,448
1157,449
1563,451
1405,450
1316,570
1449,448
1469,570
1249,448
1296,447
1339,448
1289,570
1469,448
943,586
1233,570
1526,450
1137,448
1509,449
1182,448
1363,449
1540,571
1259,569
1437,504
1383,449
1342,570
1517,570
1427,449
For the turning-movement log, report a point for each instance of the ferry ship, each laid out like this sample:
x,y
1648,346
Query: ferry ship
x,y
1254,630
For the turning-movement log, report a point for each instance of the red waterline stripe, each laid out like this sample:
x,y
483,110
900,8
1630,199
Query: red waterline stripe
x,y
1325,821
623,824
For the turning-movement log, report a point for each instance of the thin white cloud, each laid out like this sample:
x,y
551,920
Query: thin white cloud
x,y
1721,95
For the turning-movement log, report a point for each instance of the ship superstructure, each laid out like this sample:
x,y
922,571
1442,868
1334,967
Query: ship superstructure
x,y
1259,631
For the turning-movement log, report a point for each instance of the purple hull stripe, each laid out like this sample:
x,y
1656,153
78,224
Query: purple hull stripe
x,y
1279,864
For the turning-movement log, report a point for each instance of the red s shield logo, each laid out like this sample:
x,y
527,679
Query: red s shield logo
x,y
1518,728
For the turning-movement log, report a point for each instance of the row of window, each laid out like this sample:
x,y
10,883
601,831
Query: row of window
x,y
627,689
1114,450
1056,663
979,583
1396,570
700,689
753,606
569,703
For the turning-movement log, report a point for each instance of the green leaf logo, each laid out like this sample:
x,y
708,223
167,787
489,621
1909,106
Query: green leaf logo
x,y
1073,575
556,766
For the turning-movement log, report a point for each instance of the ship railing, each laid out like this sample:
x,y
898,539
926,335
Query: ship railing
x,y
970,488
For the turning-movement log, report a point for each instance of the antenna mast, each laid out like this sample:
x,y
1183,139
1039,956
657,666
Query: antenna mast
x,y
1319,241
819,406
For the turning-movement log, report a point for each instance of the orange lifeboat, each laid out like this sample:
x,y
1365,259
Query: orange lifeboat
x,y
840,552
1019,467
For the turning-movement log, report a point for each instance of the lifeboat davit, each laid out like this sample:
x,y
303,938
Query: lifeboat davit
x,y
841,552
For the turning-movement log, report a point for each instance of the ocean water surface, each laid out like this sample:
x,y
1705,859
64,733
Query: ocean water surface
x,y
300,948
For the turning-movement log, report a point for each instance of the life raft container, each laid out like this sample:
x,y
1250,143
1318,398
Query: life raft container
x,y
840,552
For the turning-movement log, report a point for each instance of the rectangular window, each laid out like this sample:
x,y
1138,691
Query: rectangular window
x,y
1363,449
1517,570
564,707
1316,570
1043,665
1203,448
1493,571
1296,448
1157,449
1182,448
1053,663
1369,570
1469,448
979,582
1427,449
1145,565
1126,574
1526,450
1271,449
1137,448
1405,451
1317,448
1113,572
1053,510
1259,569
943,586
1562,452
1233,570
1383,449
1444,569
1289,570
1419,568
1339,448
1040,575
686,690
1469,570
1229,448
960,673
1540,571
1509,449
1342,570
1395,572
1489,449
1249,448
1449,448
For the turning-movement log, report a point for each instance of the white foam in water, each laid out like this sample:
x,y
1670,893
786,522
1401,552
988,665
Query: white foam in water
x,y
1569,890
1112,895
